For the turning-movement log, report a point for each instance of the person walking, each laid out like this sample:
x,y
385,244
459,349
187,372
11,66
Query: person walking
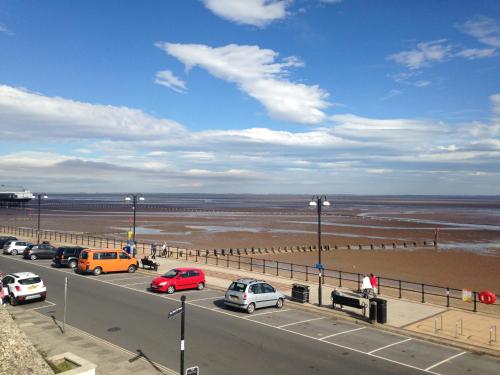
x,y
164,250
366,286
153,250
374,282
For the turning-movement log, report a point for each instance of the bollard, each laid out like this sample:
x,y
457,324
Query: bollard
x,y
458,328
493,334
373,312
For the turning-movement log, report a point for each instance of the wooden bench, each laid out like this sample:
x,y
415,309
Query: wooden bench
x,y
151,264
348,301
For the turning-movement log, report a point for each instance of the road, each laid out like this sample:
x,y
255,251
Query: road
x,y
118,308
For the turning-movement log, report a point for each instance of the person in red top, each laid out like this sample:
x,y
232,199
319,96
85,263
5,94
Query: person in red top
x,y
373,281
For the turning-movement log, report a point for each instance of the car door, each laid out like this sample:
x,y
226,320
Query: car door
x,y
257,295
269,297
183,281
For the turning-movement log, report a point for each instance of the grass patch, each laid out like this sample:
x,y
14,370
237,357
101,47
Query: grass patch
x,y
61,366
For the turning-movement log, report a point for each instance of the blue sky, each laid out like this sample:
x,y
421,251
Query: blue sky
x,y
251,96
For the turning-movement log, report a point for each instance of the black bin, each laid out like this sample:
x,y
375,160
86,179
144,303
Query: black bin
x,y
373,311
300,293
381,310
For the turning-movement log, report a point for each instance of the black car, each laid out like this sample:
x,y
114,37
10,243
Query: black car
x,y
67,256
5,239
41,251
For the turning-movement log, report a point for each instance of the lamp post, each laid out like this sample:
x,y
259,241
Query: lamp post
x,y
318,202
134,198
39,196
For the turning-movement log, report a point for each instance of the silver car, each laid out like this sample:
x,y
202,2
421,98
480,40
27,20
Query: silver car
x,y
251,294
15,247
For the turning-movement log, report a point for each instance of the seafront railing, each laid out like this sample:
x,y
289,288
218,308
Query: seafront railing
x,y
240,259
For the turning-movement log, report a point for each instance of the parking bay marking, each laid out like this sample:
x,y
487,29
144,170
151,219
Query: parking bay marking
x,y
341,333
266,313
203,299
444,360
302,321
388,346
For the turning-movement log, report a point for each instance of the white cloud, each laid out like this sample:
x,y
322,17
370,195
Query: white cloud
x,y
476,53
3,29
424,54
83,151
331,1
485,29
495,103
168,79
55,117
250,12
257,73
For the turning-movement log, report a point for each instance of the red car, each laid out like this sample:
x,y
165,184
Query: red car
x,y
178,279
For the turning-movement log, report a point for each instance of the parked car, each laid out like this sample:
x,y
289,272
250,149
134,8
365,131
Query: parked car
x,y
5,239
251,294
15,247
179,279
98,261
23,286
67,256
41,251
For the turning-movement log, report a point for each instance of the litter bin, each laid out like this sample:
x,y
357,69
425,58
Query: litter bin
x,y
300,293
373,311
381,310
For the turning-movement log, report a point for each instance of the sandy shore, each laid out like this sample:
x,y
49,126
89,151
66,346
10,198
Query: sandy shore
x,y
468,255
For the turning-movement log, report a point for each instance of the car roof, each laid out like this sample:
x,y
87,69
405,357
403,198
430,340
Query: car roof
x,y
23,275
184,269
101,250
249,281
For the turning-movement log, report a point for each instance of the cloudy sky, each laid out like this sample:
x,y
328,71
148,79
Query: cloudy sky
x,y
251,96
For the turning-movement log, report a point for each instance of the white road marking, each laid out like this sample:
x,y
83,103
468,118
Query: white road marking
x,y
41,307
445,360
143,283
267,313
302,321
126,278
203,299
388,346
343,332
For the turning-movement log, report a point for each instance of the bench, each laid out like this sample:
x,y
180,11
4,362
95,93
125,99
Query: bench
x,y
347,301
151,264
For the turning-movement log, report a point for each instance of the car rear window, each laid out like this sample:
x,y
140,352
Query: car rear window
x,y
29,281
237,287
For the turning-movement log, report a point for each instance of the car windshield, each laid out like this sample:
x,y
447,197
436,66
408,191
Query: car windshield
x,y
171,274
30,280
60,251
84,255
237,287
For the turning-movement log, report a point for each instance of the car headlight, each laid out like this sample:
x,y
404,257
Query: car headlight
x,y
163,283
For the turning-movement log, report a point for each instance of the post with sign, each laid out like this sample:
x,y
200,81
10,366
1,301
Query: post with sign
x,y
65,299
171,314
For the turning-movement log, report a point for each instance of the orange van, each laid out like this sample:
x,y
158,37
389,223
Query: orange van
x,y
98,261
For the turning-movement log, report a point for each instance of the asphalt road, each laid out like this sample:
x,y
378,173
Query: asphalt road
x,y
117,308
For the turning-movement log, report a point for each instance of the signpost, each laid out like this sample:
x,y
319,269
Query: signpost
x,y
65,298
173,313
193,371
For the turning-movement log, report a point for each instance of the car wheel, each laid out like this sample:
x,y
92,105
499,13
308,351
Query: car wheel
x,y
33,257
97,271
13,301
279,303
131,269
201,286
251,308
72,264
14,252
171,289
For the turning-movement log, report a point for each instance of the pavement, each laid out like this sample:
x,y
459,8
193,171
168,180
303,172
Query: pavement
x,y
458,328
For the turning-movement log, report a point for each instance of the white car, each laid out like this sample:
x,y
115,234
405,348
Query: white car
x,y
23,286
15,247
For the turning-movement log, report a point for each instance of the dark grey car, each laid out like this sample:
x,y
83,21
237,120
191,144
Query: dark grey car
x,y
67,256
251,294
41,251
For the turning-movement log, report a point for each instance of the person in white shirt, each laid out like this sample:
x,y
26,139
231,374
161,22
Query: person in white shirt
x,y
366,286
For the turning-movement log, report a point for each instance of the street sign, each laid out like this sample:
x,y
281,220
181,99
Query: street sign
x,y
319,266
174,312
193,371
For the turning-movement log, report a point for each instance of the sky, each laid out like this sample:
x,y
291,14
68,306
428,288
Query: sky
x,y
251,96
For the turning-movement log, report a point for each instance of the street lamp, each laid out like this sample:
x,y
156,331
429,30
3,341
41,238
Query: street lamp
x,y
133,198
318,202
39,196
